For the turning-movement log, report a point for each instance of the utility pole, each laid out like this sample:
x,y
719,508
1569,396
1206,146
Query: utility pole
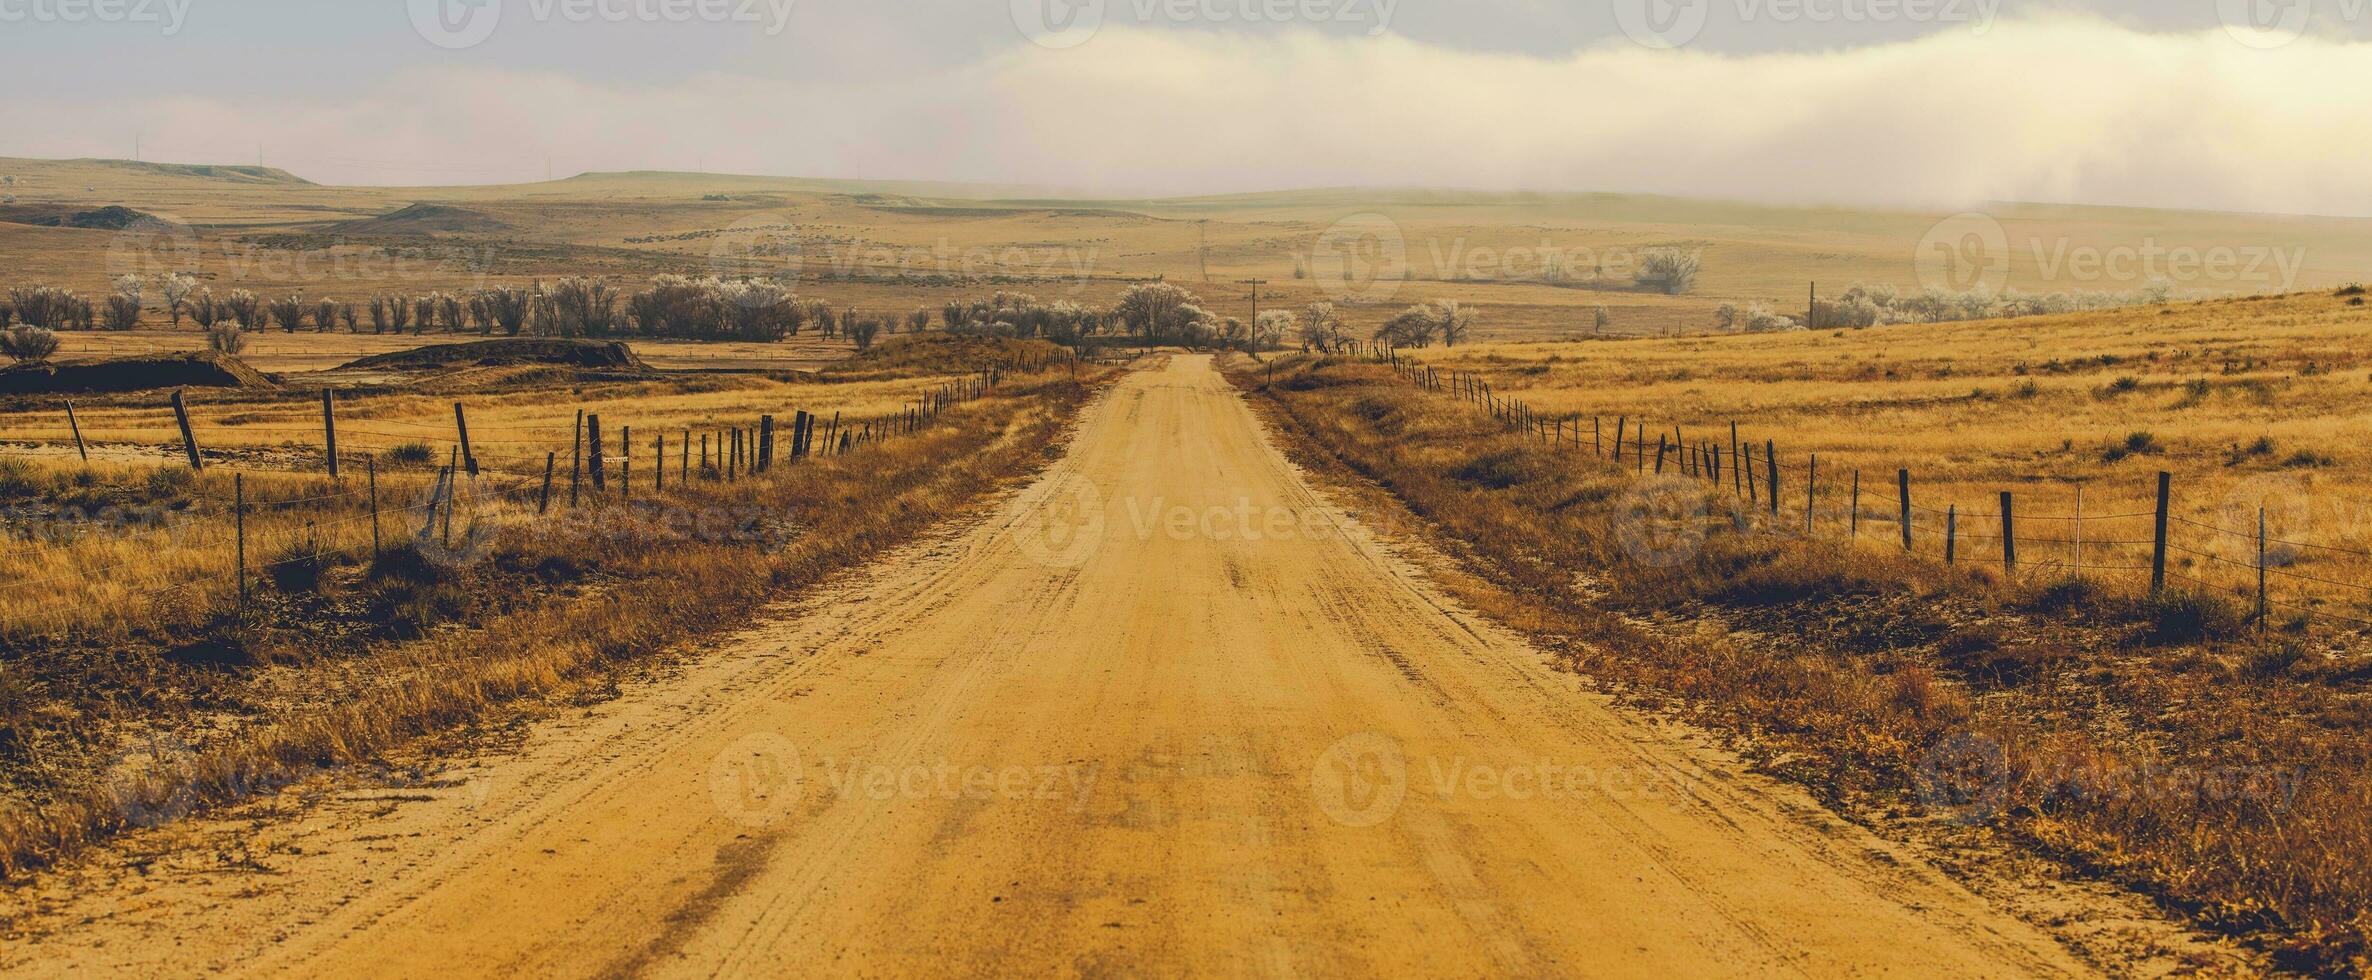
x,y
1252,329
1202,250
1812,311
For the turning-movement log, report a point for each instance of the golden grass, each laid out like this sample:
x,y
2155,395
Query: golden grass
x,y
2247,403
542,601
2226,777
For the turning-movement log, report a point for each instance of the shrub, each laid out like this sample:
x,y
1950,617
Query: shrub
x,y
244,309
123,311
863,332
28,343
1668,270
289,313
2181,617
226,338
300,566
2135,444
412,453
1497,470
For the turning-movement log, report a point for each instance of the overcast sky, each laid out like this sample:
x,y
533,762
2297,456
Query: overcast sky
x,y
2233,104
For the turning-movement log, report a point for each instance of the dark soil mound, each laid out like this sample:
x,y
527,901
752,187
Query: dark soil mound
x,y
425,219
110,218
939,353
201,369
597,354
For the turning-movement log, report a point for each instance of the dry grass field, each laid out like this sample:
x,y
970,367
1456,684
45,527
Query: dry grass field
x,y
2254,403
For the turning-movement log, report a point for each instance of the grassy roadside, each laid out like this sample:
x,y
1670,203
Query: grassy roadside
x,y
2143,741
319,674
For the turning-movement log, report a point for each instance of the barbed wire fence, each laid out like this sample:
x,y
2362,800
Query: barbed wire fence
x,y
2144,544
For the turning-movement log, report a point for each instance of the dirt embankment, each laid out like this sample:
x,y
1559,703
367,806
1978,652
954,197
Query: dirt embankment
x,y
148,372
509,352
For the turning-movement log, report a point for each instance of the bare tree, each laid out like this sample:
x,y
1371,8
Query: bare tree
x,y
380,317
245,309
1668,270
399,313
289,313
1455,321
1413,327
176,288
226,338
1158,311
347,316
861,331
919,320
28,344
204,310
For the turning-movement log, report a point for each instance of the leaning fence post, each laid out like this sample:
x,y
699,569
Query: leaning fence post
x,y
1621,426
2158,548
1903,479
189,440
2009,533
329,432
1659,455
469,460
543,502
76,425
1951,534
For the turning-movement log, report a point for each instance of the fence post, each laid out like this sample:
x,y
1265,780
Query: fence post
x,y
1659,455
76,425
659,463
1753,493
371,466
239,518
594,461
189,440
2158,548
1771,461
1903,478
469,460
765,459
1622,426
543,503
683,467
329,431
1951,534
2009,534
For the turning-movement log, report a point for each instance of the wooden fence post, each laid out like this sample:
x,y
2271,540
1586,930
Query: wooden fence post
x,y
469,460
329,431
1903,480
1951,533
1771,462
2264,610
543,502
1659,455
2158,548
765,459
76,425
1621,426
595,463
189,439
2009,534
659,463
1753,494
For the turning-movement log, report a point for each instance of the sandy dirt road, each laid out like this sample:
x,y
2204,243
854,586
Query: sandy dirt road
x,y
1167,712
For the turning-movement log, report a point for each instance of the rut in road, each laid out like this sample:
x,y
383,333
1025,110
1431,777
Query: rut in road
x,y
1168,711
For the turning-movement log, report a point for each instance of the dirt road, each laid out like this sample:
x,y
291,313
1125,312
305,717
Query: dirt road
x,y
1168,712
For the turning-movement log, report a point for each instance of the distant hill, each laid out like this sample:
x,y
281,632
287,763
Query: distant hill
x,y
425,219
220,172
